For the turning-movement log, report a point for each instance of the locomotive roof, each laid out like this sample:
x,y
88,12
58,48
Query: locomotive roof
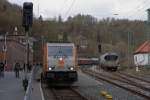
x,y
110,53
60,44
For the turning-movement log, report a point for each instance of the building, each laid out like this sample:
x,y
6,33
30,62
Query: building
x,y
12,51
141,55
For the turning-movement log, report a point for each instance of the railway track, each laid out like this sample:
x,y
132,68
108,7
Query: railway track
x,y
135,77
145,84
119,81
51,93
67,94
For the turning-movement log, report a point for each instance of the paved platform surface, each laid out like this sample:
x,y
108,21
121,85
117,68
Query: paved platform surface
x,y
11,88
37,91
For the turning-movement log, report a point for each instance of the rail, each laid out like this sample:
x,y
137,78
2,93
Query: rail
x,y
67,94
130,86
28,94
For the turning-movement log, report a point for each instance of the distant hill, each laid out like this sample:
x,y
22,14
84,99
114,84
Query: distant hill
x,y
10,16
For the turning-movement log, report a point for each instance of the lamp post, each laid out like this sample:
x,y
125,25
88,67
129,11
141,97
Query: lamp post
x,y
148,34
5,48
112,25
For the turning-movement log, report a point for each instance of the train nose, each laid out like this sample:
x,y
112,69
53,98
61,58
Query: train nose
x,y
61,62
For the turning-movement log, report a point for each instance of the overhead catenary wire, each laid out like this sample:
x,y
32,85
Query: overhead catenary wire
x,y
69,9
62,7
139,8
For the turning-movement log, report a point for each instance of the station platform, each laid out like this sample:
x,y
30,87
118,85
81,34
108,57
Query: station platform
x,y
11,88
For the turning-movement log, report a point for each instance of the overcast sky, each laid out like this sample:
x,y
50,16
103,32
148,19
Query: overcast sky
x,y
131,9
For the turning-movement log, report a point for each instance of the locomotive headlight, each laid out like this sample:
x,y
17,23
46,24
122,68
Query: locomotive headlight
x,y
71,68
60,58
49,68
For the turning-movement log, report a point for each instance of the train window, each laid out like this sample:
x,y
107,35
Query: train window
x,y
111,57
60,51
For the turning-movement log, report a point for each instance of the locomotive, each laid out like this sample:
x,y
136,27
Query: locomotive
x,y
59,61
109,61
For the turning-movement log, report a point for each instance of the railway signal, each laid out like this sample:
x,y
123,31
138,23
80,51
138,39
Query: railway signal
x,y
27,15
27,23
99,48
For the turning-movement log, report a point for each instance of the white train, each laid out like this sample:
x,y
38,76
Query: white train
x,y
109,61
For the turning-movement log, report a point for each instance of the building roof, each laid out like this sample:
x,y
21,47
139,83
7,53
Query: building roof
x,y
144,48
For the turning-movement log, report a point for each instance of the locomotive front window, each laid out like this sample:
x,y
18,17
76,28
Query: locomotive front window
x,y
111,57
60,51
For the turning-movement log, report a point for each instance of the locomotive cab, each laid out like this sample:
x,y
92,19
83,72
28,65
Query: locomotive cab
x,y
109,61
59,63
